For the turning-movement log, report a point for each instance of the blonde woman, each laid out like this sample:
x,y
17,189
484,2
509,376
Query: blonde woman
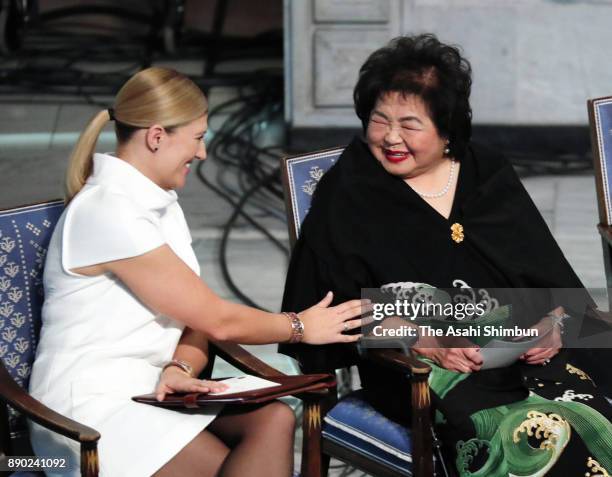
x,y
126,313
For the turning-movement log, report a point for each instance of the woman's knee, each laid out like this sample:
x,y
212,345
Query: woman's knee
x,y
278,417
204,455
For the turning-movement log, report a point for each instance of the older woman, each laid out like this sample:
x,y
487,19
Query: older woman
x,y
415,202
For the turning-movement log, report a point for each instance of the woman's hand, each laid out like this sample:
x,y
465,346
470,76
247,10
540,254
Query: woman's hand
x,y
466,359
461,360
550,345
323,325
175,380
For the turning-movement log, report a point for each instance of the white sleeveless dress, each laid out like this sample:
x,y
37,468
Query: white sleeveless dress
x,y
99,345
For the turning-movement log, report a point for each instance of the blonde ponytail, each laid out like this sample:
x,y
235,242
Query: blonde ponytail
x,y
154,95
81,159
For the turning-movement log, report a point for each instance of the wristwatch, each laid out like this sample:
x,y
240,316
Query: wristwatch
x,y
179,363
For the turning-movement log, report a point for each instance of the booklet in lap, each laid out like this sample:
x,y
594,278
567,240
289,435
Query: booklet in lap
x,y
500,353
243,384
244,390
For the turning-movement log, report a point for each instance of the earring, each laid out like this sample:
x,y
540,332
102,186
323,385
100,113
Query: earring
x,y
447,149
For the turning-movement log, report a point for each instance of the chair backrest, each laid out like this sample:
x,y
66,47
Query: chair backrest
x,y
24,237
301,174
600,121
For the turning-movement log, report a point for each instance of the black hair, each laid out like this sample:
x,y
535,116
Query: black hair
x,y
422,66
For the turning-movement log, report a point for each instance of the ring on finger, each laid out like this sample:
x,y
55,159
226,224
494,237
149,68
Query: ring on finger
x,y
546,361
346,326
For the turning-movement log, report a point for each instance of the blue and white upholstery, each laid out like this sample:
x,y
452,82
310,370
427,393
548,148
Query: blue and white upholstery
x,y
601,127
352,423
303,173
24,237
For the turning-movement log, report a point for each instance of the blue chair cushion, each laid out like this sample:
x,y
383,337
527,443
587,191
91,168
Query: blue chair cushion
x,y
24,237
356,425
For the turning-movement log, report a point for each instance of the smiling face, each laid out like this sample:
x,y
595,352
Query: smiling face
x,y
176,152
402,136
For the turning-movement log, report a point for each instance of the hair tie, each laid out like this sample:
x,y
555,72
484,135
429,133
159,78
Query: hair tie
x,y
111,113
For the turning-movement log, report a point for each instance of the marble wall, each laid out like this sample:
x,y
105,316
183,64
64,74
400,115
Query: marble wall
x,y
535,62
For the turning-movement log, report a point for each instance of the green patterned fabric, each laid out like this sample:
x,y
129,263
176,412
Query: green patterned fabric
x,y
504,432
528,437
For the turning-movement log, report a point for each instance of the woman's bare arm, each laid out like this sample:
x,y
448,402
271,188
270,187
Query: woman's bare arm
x,y
163,282
193,348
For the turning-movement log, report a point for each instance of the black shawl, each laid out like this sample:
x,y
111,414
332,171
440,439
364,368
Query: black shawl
x,y
366,228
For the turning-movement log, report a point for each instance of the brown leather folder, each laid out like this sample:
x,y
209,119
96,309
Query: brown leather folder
x,y
288,385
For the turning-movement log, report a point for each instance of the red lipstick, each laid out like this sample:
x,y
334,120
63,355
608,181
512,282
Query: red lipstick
x,y
395,156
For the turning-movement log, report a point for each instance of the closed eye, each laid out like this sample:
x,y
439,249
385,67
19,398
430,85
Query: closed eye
x,y
379,121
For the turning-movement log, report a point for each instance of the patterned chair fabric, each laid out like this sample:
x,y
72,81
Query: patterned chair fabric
x,y
600,112
352,423
24,237
303,173
600,122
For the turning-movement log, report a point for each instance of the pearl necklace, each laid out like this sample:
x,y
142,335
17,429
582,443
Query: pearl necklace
x,y
444,191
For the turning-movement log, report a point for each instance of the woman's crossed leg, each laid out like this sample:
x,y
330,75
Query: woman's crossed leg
x,y
243,440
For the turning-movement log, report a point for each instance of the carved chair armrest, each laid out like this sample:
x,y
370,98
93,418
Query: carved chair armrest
x,y
18,398
246,362
399,361
421,404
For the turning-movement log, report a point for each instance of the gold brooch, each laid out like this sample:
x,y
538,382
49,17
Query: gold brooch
x,y
457,232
